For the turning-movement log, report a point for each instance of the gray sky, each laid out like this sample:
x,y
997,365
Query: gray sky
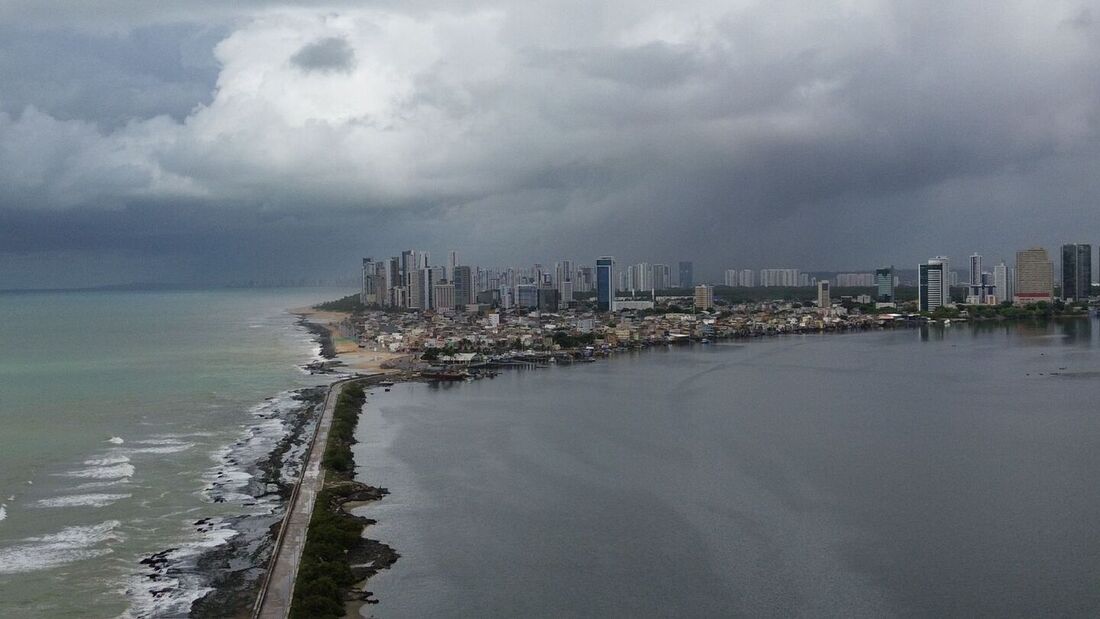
x,y
210,144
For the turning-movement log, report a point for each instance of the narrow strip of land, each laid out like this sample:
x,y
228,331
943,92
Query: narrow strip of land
x,y
277,590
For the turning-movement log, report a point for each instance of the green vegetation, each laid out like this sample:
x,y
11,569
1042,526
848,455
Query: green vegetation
x,y
325,572
565,340
349,303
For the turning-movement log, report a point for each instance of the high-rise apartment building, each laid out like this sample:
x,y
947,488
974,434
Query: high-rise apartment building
x,y
687,274
884,285
368,295
1003,282
732,279
747,278
1076,271
443,296
464,288
662,277
605,284
823,299
935,284
779,277
1034,276
704,297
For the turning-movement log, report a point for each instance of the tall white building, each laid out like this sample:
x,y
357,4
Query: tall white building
x,y
779,277
935,284
732,278
747,278
1002,282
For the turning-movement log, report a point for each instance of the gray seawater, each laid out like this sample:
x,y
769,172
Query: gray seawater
x,y
936,472
125,417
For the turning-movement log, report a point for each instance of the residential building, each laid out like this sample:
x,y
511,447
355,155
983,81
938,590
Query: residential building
x,y
464,285
1076,271
1034,276
732,278
823,299
605,284
687,274
779,277
884,285
1003,282
704,297
747,278
935,284
662,277
443,296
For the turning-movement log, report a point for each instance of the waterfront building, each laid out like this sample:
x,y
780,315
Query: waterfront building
x,y
1034,276
687,274
443,296
884,285
1003,282
935,284
1076,271
823,300
605,282
704,297
463,283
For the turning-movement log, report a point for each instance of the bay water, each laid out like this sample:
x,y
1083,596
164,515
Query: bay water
x,y
125,418
916,473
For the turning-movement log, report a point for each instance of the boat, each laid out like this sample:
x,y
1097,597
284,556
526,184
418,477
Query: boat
x,y
386,383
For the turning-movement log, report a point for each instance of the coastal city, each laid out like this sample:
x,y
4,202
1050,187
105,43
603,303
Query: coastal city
x,y
410,311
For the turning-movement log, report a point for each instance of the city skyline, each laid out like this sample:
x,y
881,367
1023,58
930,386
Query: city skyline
x,y
262,141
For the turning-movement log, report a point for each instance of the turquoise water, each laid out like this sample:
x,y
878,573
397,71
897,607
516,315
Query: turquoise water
x,y
116,411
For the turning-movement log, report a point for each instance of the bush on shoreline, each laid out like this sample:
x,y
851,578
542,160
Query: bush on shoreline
x,y
325,573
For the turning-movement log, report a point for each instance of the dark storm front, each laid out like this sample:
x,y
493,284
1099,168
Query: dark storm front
x,y
943,471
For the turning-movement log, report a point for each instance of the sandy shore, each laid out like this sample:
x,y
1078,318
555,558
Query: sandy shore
x,y
347,350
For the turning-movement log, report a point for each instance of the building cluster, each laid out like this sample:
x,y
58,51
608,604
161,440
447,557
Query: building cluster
x,y
1031,280
582,331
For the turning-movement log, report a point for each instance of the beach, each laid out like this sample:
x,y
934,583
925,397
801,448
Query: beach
x,y
342,348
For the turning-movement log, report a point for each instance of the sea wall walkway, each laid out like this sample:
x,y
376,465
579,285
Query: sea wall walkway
x,y
277,589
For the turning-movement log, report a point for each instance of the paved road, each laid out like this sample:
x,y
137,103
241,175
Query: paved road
x,y
275,596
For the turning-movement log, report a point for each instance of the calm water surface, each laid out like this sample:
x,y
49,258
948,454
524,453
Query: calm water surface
x,y
907,473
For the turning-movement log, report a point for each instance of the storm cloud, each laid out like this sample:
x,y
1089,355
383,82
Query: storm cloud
x,y
827,135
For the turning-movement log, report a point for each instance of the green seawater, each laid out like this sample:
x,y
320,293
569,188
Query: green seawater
x,y
114,407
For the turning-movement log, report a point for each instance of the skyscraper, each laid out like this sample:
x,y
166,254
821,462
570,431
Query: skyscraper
x,y
1076,271
1003,282
884,285
368,295
452,261
731,278
662,277
1034,276
823,299
464,286
935,284
687,274
605,284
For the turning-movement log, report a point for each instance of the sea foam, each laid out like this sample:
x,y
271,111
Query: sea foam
x,y
81,500
113,471
66,546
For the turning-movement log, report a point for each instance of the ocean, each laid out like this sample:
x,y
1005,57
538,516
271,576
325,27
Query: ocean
x,y
133,426
908,473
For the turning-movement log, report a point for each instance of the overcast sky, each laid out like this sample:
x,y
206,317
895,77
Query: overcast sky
x,y
211,144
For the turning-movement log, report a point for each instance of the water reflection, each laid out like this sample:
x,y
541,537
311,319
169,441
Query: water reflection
x,y
1077,332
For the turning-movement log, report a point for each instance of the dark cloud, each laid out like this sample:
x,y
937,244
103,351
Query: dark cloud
x,y
328,54
787,134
